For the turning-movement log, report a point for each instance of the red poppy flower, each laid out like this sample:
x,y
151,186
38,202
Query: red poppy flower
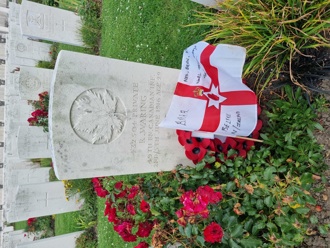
x,y
184,137
142,245
258,126
213,233
219,146
144,229
144,206
196,150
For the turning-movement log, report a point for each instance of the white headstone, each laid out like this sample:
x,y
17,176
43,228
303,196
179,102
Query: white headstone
x,y
14,10
27,176
50,23
12,239
208,3
41,199
33,142
104,116
33,81
30,49
65,240
17,112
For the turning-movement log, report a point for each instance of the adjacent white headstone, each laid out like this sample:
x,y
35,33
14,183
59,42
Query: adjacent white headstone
x,y
30,49
65,240
27,176
14,10
17,112
104,116
12,239
41,199
33,142
208,3
50,23
33,81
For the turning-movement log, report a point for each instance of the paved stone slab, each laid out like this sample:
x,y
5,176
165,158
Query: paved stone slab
x,y
104,116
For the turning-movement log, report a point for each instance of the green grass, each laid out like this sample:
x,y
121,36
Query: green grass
x,y
150,32
66,223
20,225
107,238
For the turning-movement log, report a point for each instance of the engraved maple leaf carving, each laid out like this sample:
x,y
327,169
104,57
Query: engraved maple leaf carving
x,y
98,116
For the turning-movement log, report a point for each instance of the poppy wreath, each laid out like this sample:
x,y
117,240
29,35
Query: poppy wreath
x,y
196,148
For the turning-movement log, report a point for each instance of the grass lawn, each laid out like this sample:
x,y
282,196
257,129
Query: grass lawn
x,y
20,225
66,223
151,32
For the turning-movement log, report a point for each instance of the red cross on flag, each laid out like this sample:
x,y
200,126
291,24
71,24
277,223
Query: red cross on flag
x,y
210,96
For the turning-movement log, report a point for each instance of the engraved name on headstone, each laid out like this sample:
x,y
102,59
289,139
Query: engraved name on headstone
x,y
104,116
50,23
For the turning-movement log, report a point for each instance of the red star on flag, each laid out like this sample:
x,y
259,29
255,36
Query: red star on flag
x,y
210,96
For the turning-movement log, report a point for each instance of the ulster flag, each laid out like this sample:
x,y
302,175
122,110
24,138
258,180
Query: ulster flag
x,y
210,96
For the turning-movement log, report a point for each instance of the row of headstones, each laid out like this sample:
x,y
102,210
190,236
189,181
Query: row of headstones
x,y
42,196
28,192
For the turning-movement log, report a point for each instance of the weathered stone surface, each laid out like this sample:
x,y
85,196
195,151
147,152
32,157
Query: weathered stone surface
x,y
50,23
104,116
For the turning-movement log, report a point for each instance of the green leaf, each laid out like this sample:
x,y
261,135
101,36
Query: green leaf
x,y
248,224
209,159
302,210
306,178
230,186
323,230
293,148
200,165
318,126
231,152
194,229
188,230
201,240
268,173
237,231
313,219
154,212
233,244
258,226
251,242
269,201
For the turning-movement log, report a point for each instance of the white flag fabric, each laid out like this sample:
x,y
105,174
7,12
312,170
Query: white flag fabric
x,y
210,96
